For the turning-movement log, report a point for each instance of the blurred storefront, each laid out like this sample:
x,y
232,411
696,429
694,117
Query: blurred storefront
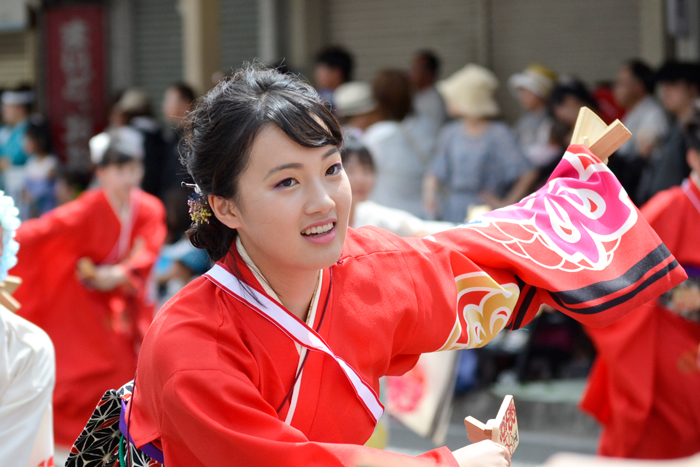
x,y
18,44
153,43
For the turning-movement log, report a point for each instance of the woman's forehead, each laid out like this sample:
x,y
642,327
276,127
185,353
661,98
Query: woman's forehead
x,y
272,146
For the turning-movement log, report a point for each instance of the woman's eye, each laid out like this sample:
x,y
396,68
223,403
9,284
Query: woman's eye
x,y
334,169
286,183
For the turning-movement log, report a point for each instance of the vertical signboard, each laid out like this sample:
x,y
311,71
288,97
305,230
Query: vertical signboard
x,y
75,72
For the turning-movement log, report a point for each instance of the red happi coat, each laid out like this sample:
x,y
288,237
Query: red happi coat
x,y
645,385
95,333
213,370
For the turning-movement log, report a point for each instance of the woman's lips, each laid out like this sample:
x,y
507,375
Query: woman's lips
x,y
320,235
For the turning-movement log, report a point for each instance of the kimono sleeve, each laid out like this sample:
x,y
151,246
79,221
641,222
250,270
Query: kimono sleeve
x,y
149,234
578,244
216,418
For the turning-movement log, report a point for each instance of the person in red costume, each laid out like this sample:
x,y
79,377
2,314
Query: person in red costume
x,y
644,386
89,264
274,356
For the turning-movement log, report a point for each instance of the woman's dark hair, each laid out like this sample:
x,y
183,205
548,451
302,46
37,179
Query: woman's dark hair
x,y
224,123
356,149
392,91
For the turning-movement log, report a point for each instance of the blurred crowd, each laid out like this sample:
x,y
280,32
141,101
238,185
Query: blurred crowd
x,y
438,150
422,154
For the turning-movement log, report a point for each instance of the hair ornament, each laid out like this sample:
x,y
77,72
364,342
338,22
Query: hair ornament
x,y
199,206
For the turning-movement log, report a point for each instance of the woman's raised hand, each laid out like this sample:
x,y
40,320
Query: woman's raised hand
x,y
483,454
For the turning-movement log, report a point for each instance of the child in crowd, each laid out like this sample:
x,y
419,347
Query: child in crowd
x,y
39,195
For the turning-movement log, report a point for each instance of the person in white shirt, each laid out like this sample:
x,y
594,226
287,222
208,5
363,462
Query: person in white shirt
x,y
401,160
27,370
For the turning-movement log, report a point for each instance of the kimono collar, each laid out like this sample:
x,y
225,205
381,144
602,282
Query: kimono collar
x,y
262,281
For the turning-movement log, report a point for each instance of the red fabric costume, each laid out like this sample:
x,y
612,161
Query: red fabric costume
x,y
213,372
645,386
95,333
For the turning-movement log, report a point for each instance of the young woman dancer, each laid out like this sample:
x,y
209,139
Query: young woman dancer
x,y
274,356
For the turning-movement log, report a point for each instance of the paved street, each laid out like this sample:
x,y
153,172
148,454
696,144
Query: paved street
x,y
534,449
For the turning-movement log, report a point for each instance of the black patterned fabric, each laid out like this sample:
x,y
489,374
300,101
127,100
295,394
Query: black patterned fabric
x,y
98,444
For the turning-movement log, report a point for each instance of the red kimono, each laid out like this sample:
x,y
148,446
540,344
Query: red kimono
x,y
645,386
216,371
95,333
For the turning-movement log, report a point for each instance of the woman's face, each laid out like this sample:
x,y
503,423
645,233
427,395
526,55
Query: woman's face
x,y
293,204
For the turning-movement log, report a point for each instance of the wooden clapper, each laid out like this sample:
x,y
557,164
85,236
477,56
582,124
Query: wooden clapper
x,y
602,140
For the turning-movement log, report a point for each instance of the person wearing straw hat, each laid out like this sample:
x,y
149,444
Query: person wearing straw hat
x,y
477,158
532,87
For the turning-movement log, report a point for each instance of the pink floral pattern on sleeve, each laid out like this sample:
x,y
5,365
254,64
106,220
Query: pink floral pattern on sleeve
x,y
574,222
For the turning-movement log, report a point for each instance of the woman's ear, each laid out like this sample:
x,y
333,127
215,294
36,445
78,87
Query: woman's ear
x,y
226,211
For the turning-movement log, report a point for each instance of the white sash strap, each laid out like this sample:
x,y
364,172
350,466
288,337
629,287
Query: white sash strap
x,y
297,331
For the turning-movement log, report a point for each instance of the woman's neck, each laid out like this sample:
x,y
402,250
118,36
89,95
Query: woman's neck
x,y
294,287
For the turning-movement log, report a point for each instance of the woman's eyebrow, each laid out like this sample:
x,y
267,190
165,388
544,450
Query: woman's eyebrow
x,y
330,152
292,165
296,165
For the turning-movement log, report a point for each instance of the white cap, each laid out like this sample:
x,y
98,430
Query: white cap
x,y
125,140
18,97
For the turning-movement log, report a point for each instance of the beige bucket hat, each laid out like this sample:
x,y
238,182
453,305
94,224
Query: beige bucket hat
x,y
469,92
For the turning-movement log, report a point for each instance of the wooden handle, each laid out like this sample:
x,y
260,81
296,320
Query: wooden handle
x,y
477,431
601,139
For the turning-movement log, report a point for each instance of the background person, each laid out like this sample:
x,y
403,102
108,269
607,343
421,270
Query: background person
x,y
477,158
399,157
38,194
16,108
679,84
334,66
93,258
532,88
645,382
645,118
177,102
27,369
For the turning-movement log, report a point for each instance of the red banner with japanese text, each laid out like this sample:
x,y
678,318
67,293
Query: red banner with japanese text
x,y
76,79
